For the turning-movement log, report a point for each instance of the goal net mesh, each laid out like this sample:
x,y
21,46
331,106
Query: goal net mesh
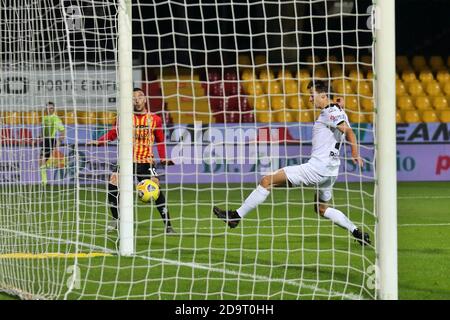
x,y
229,81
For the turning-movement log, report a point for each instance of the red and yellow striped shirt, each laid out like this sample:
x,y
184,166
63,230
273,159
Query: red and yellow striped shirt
x,y
147,129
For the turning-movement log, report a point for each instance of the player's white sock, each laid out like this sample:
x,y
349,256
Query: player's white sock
x,y
339,218
255,198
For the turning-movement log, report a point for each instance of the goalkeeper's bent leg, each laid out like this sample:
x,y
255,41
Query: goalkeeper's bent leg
x,y
113,194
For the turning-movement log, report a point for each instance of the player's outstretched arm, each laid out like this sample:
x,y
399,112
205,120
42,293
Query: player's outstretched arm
x,y
351,138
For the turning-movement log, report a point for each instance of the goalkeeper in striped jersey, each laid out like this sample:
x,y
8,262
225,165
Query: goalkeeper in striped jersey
x,y
147,130
329,132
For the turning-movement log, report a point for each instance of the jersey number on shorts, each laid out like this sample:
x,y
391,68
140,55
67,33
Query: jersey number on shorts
x,y
152,171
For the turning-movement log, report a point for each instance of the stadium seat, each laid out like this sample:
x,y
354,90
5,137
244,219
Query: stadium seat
x,y
284,116
429,116
408,75
440,103
444,116
356,75
446,89
277,102
31,118
259,103
284,74
337,73
260,60
266,74
415,88
264,117
432,88
295,102
351,103
405,103
443,76
367,104
247,75
366,62
357,117
305,116
400,88
402,63
244,60
11,118
411,116
107,118
303,75
436,63
362,88
426,76
369,75
272,87
370,117
343,87
253,88
422,103
291,87
67,117
321,73
419,63
399,117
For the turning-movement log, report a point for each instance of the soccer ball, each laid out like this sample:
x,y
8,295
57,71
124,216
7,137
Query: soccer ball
x,y
147,190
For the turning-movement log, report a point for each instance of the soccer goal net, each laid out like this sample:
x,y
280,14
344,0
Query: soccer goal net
x,y
229,82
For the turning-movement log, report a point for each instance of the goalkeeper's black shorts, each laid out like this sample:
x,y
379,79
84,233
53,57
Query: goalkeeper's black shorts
x,y
47,146
144,171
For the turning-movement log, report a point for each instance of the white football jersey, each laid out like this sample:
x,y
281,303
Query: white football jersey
x,y
327,140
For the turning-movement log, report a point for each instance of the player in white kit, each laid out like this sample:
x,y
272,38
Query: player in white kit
x,y
329,132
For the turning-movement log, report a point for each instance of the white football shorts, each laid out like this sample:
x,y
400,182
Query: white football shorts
x,y
305,174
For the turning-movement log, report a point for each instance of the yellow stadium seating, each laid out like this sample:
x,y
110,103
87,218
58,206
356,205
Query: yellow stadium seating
x,y
247,75
426,76
11,118
444,115
305,116
291,87
367,104
31,118
260,60
244,60
295,102
337,73
433,88
87,117
415,88
362,88
67,117
369,75
446,89
408,76
259,102
272,87
266,75
277,102
320,73
443,76
436,63
399,117
357,117
411,116
419,63
303,75
264,117
405,103
429,116
422,103
356,75
400,88
342,87
106,117
351,103
440,103
253,88
370,117
285,116
284,74
402,63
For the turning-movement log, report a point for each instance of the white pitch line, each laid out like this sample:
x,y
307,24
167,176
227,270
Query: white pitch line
x,y
201,266
252,276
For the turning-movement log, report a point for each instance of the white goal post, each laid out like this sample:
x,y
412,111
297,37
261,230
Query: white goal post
x,y
228,80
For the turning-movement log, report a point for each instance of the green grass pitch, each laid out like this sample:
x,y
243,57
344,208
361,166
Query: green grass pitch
x,y
280,252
